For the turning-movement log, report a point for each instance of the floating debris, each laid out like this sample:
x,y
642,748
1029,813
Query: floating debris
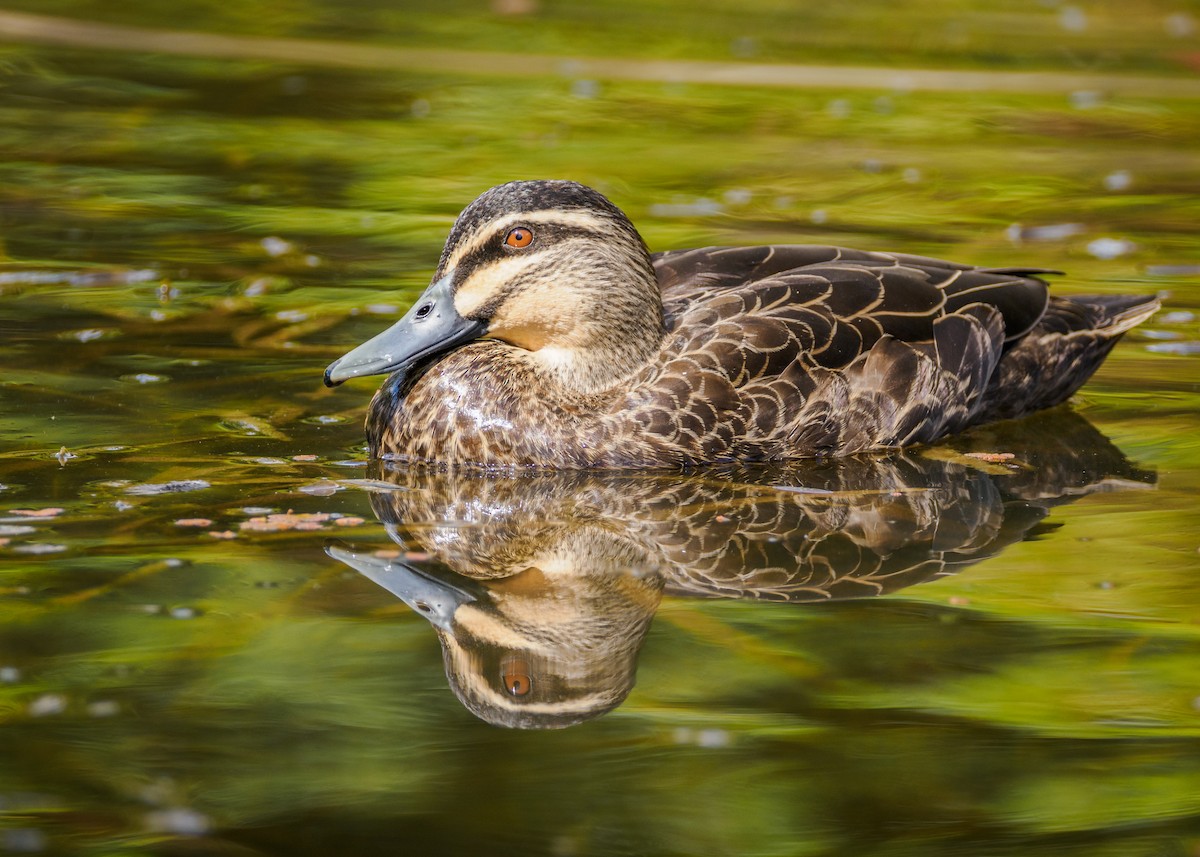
x,y
302,521
103,708
184,613
1050,232
51,512
77,278
179,821
39,548
144,378
1110,248
381,309
275,247
16,530
9,675
48,704
1118,180
64,455
283,521
305,457
194,522
708,738
223,534
1173,270
89,335
1184,349
1176,317
181,486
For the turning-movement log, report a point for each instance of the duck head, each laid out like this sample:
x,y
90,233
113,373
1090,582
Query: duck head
x,y
550,267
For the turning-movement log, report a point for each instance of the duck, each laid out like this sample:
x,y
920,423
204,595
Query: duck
x,y
551,337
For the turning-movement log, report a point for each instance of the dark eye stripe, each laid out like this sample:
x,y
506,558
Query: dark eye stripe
x,y
493,247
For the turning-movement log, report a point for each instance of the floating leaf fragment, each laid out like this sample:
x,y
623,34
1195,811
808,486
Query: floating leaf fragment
x,y
283,521
348,521
38,513
223,534
194,522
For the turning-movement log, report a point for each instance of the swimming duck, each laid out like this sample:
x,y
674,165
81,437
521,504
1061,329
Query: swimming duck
x,y
551,337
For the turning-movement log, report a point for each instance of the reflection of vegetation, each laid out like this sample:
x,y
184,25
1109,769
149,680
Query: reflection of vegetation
x,y
935,33
223,227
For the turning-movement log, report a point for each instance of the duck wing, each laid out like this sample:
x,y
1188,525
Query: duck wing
x,y
876,293
777,352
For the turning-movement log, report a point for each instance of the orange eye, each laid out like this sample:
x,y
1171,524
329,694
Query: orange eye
x,y
519,237
516,677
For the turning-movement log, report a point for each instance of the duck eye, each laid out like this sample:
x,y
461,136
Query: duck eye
x,y
424,310
519,237
516,678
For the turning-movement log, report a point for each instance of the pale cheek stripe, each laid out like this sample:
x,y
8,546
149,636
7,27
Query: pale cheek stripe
x,y
486,282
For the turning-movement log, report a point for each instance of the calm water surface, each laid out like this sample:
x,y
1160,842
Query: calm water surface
x,y
223,631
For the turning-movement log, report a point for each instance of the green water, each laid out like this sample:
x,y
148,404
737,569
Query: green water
x,y
187,241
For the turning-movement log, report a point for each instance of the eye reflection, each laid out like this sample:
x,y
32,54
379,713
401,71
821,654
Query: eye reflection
x,y
516,677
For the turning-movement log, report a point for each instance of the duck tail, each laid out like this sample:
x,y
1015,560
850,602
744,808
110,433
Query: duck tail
x,y
1117,314
1061,352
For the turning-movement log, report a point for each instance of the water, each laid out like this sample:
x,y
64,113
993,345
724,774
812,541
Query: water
x,y
205,645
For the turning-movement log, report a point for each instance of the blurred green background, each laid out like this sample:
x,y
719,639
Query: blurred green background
x,y
191,227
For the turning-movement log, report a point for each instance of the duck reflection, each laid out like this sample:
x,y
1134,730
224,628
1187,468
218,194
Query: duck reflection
x,y
541,586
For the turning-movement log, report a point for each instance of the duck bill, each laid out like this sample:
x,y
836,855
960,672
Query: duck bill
x,y
431,327
429,597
